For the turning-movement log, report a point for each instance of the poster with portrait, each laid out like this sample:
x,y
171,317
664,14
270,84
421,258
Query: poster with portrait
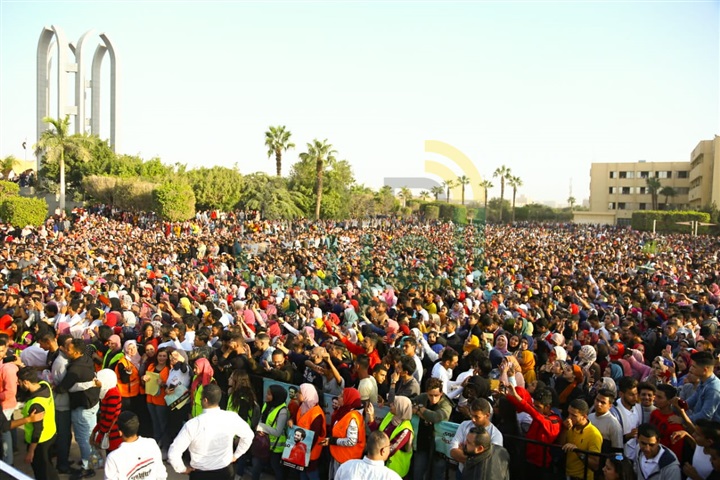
x,y
296,454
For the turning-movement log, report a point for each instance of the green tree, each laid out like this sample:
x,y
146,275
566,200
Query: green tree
x,y
271,197
56,143
154,169
7,163
216,188
668,192
277,141
485,185
503,173
319,153
448,184
571,202
515,183
8,189
385,201
653,186
362,201
406,195
437,191
101,188
174,201
463,180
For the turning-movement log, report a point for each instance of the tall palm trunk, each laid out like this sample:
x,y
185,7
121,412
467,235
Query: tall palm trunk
x,y
513,209
463,194
486,212
278,162
319,173
502,196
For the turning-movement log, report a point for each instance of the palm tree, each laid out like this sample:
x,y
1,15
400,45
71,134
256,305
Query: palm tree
x,y
277,139
424,195
503,172
668,192
437,191
448,184
485,185
515,183
406,195
56,142
463,180
571,201
319,152
653,186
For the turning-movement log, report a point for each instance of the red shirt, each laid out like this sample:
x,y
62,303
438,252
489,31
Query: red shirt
x,y
542,429
662,422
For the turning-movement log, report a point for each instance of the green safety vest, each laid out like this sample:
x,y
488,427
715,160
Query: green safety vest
x,y
49,427
236,409
197,401
277,444
399,462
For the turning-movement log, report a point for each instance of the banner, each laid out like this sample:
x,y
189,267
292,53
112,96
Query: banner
x,y
444,433
296,454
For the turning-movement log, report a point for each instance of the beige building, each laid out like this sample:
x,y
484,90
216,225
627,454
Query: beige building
x,y
618,189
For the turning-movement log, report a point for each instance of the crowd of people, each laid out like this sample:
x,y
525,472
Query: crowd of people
x,y
557,350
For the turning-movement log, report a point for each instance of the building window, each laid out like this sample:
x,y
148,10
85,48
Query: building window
x,y
627,174
613,190
642,190
643,206
682,190
621,206
683,174
644,174
611,206
626,190
613,175
663,174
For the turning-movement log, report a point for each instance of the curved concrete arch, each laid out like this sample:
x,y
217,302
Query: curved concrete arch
x,y
80,84
43,80
98,58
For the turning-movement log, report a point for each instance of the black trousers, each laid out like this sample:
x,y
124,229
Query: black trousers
x,y
227,473
41,464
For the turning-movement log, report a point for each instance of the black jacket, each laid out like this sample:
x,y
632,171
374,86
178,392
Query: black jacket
x,y
493,464
80,370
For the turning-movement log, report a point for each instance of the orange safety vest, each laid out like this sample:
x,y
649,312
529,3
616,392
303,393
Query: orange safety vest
x,y
306,422
132,388
339,430
159,399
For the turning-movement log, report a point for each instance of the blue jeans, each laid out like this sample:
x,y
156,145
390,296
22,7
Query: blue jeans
x,y
427,465
314,475
63,439
83,422
7,446
159,416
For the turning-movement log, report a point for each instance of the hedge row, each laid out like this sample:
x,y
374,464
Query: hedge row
x,y
459,214
668,221
23,211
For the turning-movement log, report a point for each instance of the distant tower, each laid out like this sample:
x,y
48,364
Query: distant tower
x,y
570,190
65,68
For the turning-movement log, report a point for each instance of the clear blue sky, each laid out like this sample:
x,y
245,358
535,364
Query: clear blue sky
x,y
545,88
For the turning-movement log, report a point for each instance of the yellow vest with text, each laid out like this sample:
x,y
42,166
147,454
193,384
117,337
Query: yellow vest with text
x,y
399,462
49,427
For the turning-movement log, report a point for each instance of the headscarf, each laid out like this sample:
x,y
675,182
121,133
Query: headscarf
x,y
279,396
577,380
108,378
606,383
403,410
205,376
504,351
471,343
310,397
134,359
351,401
115,339
586,356
526,359
616,372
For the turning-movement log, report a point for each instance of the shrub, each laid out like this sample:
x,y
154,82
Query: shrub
x,y
432,212
8,188
174,201
24,211
668,221
134,194
100,188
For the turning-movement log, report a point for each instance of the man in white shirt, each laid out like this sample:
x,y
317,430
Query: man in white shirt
x,y
480,414
372,467
654,460
136,457
628,412
443,370
209,437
